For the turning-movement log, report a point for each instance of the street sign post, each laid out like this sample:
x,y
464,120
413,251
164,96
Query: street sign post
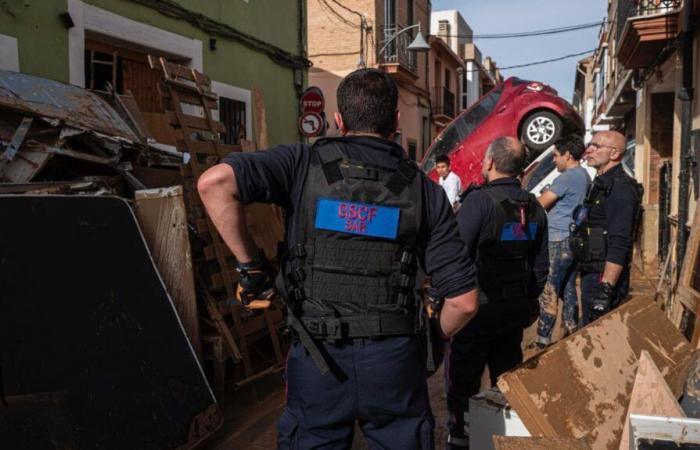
x,y
312,122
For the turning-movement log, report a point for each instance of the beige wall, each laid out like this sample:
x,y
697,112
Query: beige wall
x,y
334,48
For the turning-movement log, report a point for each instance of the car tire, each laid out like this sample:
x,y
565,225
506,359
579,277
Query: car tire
x,y
541,129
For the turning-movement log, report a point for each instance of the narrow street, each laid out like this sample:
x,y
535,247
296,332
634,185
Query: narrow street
x,y
254,411
183,181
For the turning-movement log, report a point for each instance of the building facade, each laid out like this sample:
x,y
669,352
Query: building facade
x,y
480,74
447,68
644,74
368,33
90,43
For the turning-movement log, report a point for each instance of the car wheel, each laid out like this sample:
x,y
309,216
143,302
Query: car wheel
x,y
541,129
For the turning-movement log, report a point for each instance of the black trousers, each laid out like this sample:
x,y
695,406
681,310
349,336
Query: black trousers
x,y
468,355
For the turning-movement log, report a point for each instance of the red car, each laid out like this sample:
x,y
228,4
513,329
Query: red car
x,y
528,109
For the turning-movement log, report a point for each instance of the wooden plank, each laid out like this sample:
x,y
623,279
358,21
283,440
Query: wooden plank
x,y
580,386
688,291
198,123
25,166
163,221
191,94
538,443
650,396
15,143
259,119
243,339
221,326
217,280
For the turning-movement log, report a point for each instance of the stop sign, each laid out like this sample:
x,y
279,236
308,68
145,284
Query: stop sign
x,y
312,101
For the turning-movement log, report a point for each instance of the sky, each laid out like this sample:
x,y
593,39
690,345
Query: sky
x,y
511,16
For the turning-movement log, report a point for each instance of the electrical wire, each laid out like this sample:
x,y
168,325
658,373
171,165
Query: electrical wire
x,y
528,33
536,63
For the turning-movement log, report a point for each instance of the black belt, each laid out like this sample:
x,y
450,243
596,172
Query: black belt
x,y
358,327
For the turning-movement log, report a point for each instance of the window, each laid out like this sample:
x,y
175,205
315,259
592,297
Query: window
x,y
465,91
232,115
462,127
601,78
389,13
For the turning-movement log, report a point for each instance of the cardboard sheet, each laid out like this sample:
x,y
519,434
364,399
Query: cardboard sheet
x,y
538,443
581,386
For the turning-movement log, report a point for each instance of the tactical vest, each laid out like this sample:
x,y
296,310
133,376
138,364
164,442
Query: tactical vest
x,y
589,244
354,273
504,258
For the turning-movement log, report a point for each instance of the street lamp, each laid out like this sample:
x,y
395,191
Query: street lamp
x,y
418,45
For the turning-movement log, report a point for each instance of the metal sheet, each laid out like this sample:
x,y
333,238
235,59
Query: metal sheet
x,y
74,106
84,311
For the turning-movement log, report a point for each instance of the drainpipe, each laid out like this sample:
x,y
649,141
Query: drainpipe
x,y
686,98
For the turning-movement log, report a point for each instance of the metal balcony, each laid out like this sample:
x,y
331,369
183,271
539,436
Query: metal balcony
x,y
643,29
443,104
396,59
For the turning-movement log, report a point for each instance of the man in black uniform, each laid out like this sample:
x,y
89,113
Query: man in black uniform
x,y
604,228
505,230
361,220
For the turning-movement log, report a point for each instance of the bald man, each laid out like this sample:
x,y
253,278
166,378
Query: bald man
x,y
504,229
605,227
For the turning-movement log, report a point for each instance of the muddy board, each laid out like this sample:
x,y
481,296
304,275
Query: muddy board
x,y
84,315
580,387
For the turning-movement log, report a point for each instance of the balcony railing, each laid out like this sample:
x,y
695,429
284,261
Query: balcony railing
x,y
627,9
444,102
397,51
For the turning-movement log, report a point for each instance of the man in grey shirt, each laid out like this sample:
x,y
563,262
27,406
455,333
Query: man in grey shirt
x,y
567,191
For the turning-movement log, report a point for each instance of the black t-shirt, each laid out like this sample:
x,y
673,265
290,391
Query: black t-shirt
x,y
616,213
277,176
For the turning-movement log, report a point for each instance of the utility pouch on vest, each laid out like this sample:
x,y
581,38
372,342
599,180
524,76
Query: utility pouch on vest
x,y
589,247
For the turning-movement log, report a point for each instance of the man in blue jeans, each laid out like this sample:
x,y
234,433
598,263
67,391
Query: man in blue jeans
x,y
567,191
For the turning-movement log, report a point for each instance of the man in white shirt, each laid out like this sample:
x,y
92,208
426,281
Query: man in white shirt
x,y
448,180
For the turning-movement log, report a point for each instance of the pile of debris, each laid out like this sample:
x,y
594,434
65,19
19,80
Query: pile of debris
x,y
615,384
62,139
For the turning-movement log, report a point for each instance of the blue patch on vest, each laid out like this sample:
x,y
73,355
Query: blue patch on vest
x,y
363,219
515,231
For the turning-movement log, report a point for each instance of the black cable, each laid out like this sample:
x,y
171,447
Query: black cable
x,y
172,9
535,63
528,33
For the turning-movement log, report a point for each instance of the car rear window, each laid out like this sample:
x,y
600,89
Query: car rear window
x,y
462,127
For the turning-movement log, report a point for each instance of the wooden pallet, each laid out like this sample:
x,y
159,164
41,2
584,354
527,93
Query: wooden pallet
x,y
188,102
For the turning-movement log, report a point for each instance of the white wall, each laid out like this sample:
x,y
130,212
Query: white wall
x,y
458,27
9,54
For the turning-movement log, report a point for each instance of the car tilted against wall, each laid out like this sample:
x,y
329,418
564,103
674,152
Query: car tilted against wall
x,y
529,110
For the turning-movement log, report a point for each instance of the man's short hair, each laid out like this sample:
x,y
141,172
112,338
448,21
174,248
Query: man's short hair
x,y
368,101
507,159
572,144
442,159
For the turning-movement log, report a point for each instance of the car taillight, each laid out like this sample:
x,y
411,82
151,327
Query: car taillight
x,y
537,87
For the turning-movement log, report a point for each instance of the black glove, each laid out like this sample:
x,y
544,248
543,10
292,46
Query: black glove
x,y
257,280
602,301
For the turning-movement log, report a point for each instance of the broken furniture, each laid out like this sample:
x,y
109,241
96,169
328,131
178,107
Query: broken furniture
x,y
189,102
89,336
580,386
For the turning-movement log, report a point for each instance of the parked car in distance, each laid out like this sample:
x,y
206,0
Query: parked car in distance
x,y
529,110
